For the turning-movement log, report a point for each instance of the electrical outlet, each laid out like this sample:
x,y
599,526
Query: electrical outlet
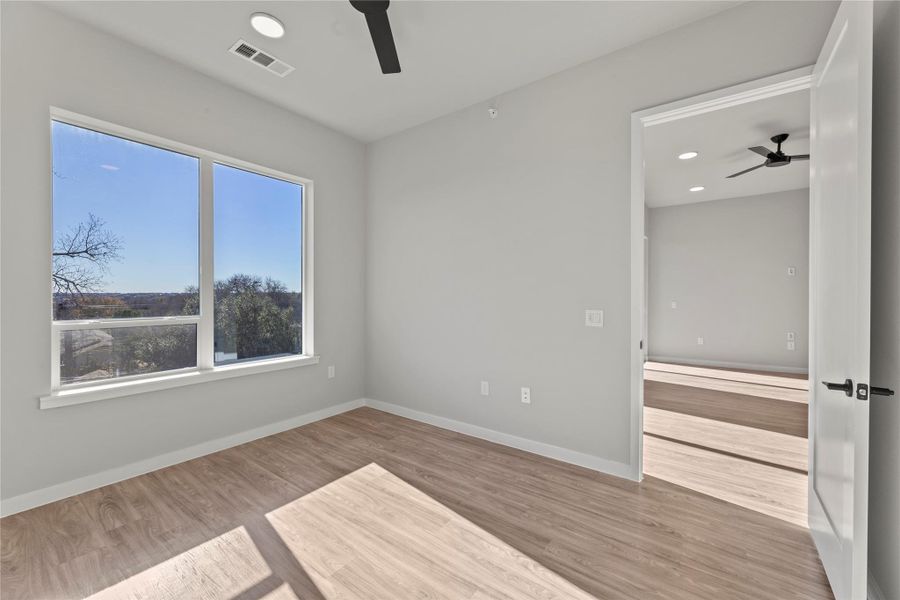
x,y
526,395
699,341
485,388
330,371
790,345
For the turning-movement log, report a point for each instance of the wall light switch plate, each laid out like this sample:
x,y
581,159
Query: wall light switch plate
x,y
791,345
674,304
330,371
526,395
792,271
485,388
790,336
593,318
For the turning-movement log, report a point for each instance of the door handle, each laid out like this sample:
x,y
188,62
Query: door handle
x,y
846,387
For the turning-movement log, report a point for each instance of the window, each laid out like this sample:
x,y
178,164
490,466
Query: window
x,y
171,260
258,297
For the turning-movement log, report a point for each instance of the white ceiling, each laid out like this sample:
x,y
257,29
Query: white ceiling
x,y
453,54
722,138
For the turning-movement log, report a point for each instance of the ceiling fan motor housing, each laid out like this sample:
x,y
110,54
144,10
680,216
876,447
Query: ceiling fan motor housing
x,y
774,158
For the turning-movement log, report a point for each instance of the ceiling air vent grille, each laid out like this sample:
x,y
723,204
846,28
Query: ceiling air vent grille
x,y
245,50
263,59
260,58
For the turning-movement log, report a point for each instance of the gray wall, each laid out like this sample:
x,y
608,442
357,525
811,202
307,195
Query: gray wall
x,y
884,452
725,265
487,239
48,59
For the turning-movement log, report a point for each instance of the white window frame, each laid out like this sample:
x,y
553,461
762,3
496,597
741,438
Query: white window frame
x,y
205,370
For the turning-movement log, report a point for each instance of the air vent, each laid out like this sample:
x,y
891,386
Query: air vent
x,y
260,58
245,50
263,59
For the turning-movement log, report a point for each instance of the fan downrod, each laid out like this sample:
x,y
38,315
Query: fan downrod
x,y
779,139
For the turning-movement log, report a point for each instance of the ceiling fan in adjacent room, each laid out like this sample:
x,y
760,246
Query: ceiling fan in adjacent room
x,y
380,29
775,158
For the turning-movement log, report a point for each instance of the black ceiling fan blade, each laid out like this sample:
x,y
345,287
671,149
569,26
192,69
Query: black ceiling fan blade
x,y
760,150
383,39
746,171
800,157
380,30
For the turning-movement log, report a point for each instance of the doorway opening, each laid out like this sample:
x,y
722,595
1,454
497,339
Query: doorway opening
x,y
721,218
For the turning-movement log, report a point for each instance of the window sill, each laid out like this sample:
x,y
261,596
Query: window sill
x,y
105,391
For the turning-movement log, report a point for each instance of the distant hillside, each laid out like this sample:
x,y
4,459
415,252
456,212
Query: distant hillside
x,y
139,304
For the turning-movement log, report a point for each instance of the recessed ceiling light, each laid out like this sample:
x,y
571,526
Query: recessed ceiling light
x,y
267,25
697,188
688,155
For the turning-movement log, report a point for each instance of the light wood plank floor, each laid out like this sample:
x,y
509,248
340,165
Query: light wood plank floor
x,y
784,410
708,433
786,380
261,521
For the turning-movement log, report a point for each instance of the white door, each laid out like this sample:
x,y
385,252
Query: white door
x,y
840,270
645,313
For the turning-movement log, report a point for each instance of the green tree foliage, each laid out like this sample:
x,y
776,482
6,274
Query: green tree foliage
x,y
255,317
160,348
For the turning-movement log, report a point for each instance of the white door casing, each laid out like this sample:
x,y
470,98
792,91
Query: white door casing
x,y
840,282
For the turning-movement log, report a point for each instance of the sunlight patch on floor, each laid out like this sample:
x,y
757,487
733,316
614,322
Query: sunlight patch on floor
x,y
785,380
218,569
371,535
745,388
770,490
282,592
750,464
368,535
761,445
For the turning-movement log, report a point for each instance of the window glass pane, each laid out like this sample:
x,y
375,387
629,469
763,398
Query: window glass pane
x,y
125,227
97,354
258,265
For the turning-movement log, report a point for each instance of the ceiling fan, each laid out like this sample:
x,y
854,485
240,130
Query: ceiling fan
x,y
773,159
380,29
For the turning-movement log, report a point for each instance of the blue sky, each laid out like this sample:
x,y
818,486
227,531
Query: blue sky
x,y
149,198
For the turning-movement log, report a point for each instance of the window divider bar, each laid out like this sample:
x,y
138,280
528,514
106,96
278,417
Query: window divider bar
x,y
206,324
113,323
55,366
308,262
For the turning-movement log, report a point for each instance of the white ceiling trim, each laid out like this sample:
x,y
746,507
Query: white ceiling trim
x,y
769,87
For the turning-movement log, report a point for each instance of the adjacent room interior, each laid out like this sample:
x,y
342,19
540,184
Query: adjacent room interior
x,y
727,294
451,300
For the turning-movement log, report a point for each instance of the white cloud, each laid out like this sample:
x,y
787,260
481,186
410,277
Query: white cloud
x,y
109,167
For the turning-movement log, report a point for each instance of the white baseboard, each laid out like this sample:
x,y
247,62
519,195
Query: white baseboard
x,y
874,592
699,362
574,457
80,485
59,491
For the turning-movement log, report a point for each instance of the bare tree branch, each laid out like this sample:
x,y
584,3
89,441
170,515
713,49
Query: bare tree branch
x,y
82,255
